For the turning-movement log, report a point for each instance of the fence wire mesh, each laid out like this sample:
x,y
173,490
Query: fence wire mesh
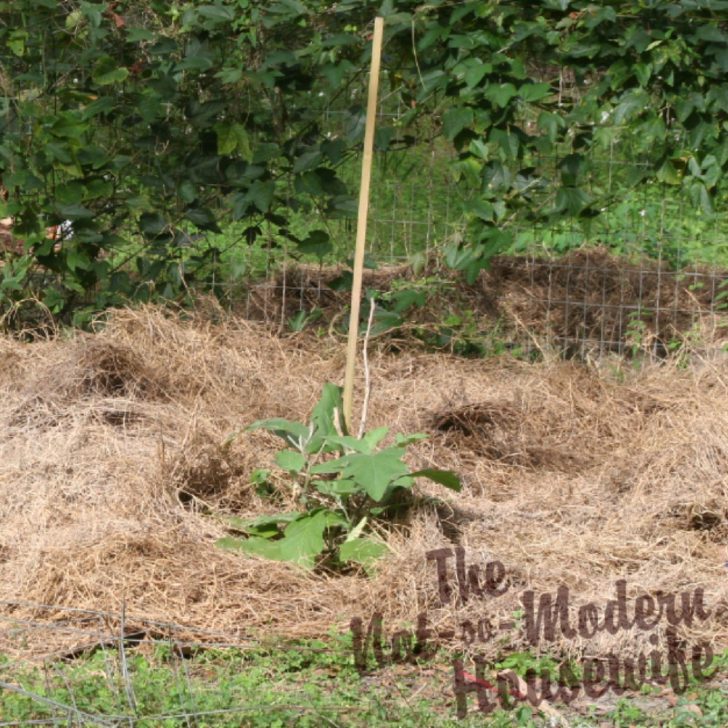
x,y
112,669
647,274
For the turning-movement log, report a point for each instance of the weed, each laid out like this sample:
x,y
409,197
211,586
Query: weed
x,y
341,484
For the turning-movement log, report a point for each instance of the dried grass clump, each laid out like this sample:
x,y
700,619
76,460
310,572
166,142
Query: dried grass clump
x,y
114,470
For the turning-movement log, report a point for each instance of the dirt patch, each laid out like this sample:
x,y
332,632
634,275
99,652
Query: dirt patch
x,y
115,463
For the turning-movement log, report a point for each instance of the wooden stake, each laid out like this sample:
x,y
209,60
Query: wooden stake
x,y
361,226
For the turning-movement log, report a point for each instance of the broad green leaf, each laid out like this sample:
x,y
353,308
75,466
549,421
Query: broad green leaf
x,y
231,543
256,546
385,321
239,524
571,200
499,94
261,194
443,477
375,472
456,119
268,531
406,481
317,242
474,74
77,259
308,160
291,460
534,91
16,42
363,551
632,104
303,538
550,124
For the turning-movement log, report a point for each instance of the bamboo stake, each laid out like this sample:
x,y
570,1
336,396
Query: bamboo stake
x,y
361,226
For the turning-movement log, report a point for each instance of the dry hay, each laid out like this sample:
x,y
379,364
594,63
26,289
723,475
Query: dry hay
x,y
112,460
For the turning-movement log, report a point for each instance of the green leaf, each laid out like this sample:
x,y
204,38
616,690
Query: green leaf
x,y
476,71
219,13
571,200
632,103
456,119
363,551
534,91
373,438
261,194
110,77
291,460
203,218
358,529
317,242
76,212
499,94
376,471
329,407
152,224
255,545
232,138
231,543
285,429
303,538
550,124
443,477
308,160
339,487
385,321
330,466
350,442
712,34
16,42
287,517
76,260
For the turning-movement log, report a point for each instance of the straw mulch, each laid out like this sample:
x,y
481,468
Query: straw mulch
x,y
112,467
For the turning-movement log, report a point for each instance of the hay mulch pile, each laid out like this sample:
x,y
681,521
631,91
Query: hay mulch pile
x,y
112,462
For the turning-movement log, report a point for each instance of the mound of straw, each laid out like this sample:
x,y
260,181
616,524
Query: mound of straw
x,y
114,472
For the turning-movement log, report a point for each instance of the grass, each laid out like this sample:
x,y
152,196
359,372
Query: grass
x,y
308,683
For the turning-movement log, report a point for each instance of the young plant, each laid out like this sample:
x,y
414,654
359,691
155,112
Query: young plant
x,y
342,485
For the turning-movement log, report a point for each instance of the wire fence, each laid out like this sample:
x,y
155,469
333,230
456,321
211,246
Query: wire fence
x,y
81,667
648,274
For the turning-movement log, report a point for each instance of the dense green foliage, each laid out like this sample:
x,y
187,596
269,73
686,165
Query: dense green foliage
x,y
144,121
